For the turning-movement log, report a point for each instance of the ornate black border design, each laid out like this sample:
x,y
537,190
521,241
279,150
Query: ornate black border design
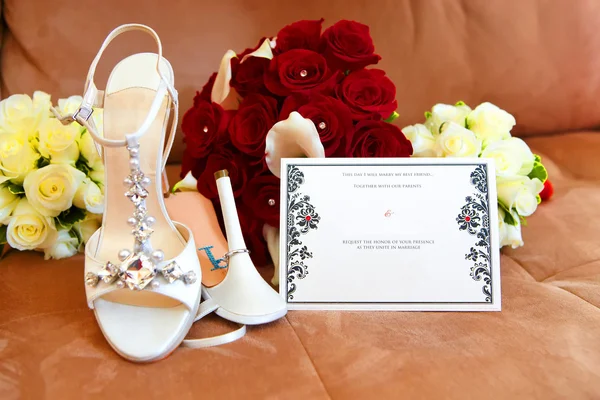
x,y
301,219
474,218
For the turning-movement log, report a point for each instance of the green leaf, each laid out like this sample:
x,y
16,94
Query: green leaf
x,y
67,218
391,117
347,72
82,165
42,162
427,114
538,198
539,171
508,218
15,189
460,103
537,158
3,229
523,221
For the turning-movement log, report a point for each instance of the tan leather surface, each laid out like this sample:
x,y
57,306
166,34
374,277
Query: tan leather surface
x,y
542,345
537,59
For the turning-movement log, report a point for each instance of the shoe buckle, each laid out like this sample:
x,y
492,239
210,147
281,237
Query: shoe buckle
x,y
82,114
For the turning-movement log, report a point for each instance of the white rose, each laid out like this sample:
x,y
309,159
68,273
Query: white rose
x,y
490,123
441,113
65,245
87,148
8,202
519,193
41,105
511,157
28,229
18,116
89,197
457,141
86,227
510,235
69,105
17,157
422,140
501,225
51,189
97,173
58,141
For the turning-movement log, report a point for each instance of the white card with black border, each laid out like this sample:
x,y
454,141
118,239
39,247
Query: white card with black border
x,y
412,234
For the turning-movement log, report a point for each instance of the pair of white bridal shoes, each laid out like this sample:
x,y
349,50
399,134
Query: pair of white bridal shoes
x,y
143,277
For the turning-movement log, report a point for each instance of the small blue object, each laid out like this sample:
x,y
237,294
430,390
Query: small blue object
x,y
220,263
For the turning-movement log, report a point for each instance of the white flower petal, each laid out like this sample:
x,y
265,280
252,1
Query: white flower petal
x,y
187,184
264,51
222,93
294,137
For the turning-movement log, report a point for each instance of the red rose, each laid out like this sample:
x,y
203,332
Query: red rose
x,y
234,162
299,71
204,95
203,125
347,45
331,117
248,77
259,192
187,163
299,35
255,117
368,93
379,139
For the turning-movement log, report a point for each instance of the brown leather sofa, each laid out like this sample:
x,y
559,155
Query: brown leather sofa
x,y
540,60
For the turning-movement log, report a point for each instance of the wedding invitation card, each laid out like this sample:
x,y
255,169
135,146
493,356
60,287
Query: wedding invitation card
x,y
389,234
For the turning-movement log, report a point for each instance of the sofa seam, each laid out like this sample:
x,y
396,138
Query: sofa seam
x,y
309,357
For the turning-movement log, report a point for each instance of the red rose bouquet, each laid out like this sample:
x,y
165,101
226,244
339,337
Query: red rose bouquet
x,y
301,93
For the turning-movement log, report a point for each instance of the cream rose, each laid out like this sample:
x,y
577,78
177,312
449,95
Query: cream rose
x,y
511,157
456,141
58,141
17,115
65,245
51,189
41,105
86,227
97,173
69,105
510,235
89,197
519,193
8,202
88,149
422,140
17,157
28,229
490,123
441,113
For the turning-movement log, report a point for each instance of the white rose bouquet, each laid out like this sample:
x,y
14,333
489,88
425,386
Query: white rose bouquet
x,y
459,131
51,177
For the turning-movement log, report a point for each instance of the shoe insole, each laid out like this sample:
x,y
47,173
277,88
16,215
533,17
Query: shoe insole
x,y
198,213
130,91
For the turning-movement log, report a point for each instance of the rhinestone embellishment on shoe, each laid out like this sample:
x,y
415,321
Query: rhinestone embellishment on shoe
x,y
139,268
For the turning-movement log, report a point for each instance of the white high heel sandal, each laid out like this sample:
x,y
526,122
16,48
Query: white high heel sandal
x,y
243,296
145,300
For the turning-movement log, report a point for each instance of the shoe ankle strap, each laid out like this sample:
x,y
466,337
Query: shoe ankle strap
x,y
94,98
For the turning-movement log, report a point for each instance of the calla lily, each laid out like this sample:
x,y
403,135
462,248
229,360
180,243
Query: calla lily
x,y
294,137
221,92
264,51
271,236
187,184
